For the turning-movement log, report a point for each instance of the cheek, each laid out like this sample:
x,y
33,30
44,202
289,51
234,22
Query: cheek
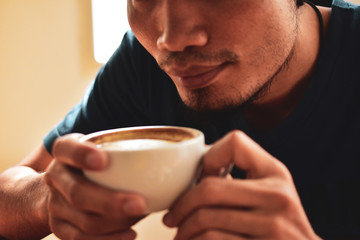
x,y
265,43
143,28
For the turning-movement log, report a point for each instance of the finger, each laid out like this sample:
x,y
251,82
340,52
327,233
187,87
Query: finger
x,y
265,195
248,223
237,221
84,195
217,234
87,222
83,155
64,230
213,192
236,147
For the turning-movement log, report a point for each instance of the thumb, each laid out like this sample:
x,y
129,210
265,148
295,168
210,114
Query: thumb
x,y
238,149
70,150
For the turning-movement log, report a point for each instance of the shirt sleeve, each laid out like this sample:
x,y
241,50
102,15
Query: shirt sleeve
x,y
116,98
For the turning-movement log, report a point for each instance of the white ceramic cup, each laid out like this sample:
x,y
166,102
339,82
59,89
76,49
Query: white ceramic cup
x,y
160,172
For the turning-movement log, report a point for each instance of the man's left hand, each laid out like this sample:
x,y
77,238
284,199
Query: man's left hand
x,y
265,205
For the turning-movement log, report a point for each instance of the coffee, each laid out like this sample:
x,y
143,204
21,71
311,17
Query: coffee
x,y
159,162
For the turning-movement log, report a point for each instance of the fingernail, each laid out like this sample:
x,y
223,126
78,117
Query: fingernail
x,y
128,235
93,161
133,208
169,220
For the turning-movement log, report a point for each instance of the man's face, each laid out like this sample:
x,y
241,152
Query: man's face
x,y
219,53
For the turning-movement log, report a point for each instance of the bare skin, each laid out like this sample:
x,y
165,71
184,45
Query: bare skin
x,y
265,41
66,203
79,209
264,206
22,204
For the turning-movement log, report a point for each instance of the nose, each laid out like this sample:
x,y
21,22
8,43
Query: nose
x,y
181,26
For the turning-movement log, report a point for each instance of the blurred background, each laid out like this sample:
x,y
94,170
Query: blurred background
x,y
46,62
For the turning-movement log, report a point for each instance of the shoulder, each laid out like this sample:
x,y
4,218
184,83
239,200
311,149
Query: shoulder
x,y
347,11
343,23
130,63
130,48
342,11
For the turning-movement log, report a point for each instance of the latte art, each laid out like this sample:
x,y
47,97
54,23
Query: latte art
x,y
134,144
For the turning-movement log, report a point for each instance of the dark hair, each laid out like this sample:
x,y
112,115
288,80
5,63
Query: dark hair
x,y
299,2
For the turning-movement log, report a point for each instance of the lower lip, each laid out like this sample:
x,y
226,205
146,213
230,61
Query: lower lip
x,y
201,80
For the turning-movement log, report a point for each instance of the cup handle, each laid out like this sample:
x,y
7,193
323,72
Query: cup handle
x,y
199,171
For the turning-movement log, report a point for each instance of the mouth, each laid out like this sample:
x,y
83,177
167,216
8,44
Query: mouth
x,y
196,77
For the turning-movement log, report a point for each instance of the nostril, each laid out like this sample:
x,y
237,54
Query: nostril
x,y
178,41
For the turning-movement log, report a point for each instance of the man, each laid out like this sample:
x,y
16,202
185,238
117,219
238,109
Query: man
x,y
272,84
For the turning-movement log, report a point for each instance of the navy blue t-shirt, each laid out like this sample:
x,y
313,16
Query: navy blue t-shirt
x,y
319,142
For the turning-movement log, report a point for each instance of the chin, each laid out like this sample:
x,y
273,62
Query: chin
x,y
207,102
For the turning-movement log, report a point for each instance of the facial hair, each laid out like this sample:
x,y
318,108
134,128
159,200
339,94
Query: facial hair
x,y
197,100
210,98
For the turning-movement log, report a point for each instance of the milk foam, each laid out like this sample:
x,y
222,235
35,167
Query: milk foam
x,y
135,144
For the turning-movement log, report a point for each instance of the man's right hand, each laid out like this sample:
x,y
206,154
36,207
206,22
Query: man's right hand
x,y
80,209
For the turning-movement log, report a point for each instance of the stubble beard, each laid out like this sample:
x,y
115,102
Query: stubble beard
x,y
210,100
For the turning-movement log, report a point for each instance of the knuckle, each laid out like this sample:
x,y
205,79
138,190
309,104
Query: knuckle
x,y
88,224
113,207
69,147
235,136
209,188
283,197
236,139
285,171
48,178
281,171
75,195
63,230
58,145
50,174
210,235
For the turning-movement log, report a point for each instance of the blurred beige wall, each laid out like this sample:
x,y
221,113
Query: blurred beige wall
x,y
46,62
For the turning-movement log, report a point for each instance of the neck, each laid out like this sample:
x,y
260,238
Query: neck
x,y
290,84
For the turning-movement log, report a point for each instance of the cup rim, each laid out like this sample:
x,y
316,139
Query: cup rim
x,y
191,135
